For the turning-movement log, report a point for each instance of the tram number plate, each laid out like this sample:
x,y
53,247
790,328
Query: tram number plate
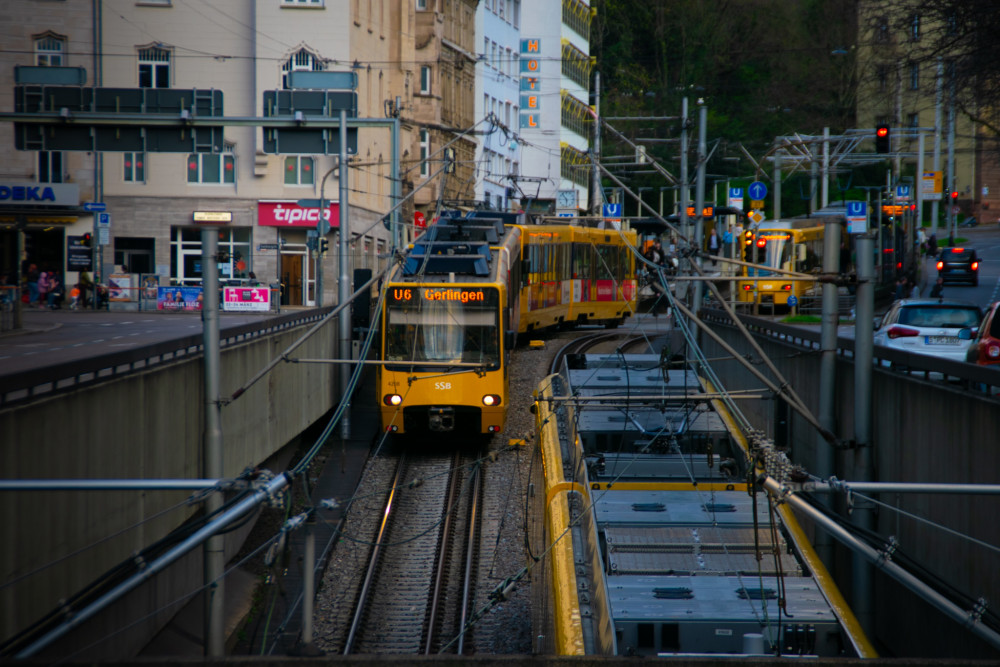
x,y
942,340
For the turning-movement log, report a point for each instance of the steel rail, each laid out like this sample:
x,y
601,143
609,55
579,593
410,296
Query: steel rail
x,y
359,610
454,487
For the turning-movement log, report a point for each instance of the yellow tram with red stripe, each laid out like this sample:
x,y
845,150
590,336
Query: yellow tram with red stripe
x,y
469,286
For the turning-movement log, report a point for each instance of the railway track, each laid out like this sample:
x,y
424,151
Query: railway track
x,y
405,589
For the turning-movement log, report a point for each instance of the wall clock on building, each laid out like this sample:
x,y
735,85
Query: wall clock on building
x,y
566,198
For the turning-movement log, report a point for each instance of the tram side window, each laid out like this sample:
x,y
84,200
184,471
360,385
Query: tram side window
x,y
581,260
606,259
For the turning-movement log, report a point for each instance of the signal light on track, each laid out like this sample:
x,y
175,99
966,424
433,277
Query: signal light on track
x,y
882,139
761,243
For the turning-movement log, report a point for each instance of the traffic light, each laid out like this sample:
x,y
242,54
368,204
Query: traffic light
x,y
324,245
86,239
748,246
882,139
954,195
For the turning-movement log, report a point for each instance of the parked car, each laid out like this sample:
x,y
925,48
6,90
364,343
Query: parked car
x,y
958,265
929,327
985,347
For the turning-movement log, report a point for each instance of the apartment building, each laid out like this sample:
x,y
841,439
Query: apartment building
x,y
443,107
41,191
242,49
497,96
909,95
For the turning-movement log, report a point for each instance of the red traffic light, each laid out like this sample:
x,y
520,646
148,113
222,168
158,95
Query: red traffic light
x,y
86,239
954,194
882,131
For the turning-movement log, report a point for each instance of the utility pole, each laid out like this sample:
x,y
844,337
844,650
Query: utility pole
x,y
863,354
344,286
952,184
938,97
214,550
595,183
682,214
699,203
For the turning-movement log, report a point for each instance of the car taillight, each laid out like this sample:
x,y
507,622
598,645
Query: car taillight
x,y
975,266
940,265
956,250
901,332
787,288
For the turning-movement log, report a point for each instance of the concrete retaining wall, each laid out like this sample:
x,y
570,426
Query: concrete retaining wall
x,y
144,425
923,432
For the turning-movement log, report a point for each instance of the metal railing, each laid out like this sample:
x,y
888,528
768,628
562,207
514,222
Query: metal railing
x,y
975,379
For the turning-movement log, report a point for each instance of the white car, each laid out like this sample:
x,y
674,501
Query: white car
x,y
931,327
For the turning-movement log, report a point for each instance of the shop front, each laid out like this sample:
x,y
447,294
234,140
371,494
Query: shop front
x,y
35,221
294,230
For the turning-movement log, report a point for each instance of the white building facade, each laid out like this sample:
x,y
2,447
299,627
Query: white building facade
x,y
498,155
556,119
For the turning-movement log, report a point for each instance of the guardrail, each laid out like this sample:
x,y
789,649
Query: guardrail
x,y
45,381
984,380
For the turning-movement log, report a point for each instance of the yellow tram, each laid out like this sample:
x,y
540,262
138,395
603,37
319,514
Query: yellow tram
x,y
470,284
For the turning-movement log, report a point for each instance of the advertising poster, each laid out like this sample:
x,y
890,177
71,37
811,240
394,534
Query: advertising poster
x,y
245,299
179,298
120,287
150,286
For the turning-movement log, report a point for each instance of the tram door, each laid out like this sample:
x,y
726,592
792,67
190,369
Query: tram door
x,y
292,279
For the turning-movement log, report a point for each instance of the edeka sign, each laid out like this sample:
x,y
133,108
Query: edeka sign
x,y
290,214
32,194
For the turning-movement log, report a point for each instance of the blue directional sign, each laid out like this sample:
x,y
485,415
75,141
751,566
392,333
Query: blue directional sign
x,y
857,217
792,301
94,206
757,190
612,210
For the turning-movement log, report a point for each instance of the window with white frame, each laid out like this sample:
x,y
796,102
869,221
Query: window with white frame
x,y
134,167
515,12
154,68
212,167
425,151
50,167
303,3
425,79
421,5
302,61
50,51
299,170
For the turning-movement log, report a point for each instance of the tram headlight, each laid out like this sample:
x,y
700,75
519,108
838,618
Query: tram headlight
x,y
489,400
392,399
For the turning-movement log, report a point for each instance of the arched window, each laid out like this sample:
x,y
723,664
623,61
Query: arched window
x,y
301,61
50,51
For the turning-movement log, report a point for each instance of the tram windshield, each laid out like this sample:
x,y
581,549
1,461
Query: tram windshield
x,y
444,324
774,250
